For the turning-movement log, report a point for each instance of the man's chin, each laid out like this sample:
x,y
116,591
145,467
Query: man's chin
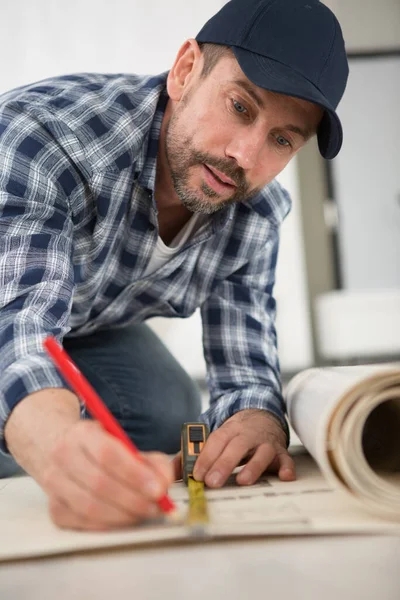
x,y
202,199
201,208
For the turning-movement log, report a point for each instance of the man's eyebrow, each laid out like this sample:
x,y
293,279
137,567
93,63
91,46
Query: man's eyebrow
x,y
250,90
306,133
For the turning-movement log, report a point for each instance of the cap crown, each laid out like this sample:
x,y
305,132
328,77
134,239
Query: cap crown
x,y
302,34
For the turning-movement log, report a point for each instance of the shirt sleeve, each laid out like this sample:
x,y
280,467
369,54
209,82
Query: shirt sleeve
x,y
240,342
36,273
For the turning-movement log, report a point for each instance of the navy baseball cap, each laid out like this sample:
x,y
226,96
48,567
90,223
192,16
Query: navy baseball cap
x,y
292,47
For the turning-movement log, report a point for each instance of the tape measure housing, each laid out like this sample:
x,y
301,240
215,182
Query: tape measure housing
x,y
193,438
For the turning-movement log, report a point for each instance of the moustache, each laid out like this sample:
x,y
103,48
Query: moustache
x,y
225,166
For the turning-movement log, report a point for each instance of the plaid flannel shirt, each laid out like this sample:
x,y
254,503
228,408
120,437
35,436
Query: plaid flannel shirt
x,y
78,225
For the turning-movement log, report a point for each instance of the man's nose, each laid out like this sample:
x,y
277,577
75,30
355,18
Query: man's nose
x,y
246,149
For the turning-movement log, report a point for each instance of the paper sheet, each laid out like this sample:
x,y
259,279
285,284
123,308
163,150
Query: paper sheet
x,y
307,506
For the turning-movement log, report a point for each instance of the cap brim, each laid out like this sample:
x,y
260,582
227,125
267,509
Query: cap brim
x,y
278,77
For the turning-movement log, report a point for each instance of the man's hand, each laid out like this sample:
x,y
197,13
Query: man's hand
x,y
93,482
250,434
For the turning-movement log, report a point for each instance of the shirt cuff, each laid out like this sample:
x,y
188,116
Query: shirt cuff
x,y
227,405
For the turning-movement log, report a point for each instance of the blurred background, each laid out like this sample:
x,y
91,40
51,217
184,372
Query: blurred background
x,y
338,277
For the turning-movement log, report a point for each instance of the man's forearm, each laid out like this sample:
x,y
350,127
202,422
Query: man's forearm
x,y
36,423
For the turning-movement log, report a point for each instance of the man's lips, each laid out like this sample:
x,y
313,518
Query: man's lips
x,y
224,178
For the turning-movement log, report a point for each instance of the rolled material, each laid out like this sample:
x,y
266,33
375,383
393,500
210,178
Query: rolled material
x,y
348,418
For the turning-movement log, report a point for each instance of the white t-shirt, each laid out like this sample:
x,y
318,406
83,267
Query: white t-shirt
x,y
163,253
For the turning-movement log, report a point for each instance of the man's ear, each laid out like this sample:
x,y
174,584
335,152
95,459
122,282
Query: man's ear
x,y
188,62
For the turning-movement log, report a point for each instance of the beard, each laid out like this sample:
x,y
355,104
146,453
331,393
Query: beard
x,y
182,156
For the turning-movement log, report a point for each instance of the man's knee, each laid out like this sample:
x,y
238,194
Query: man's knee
x,y
173,407
168,433
142,384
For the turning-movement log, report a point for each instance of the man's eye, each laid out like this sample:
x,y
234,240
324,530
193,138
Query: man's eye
x,y
239,107
282,141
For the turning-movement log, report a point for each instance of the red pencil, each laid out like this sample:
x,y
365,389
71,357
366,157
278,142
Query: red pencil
x,y
96,406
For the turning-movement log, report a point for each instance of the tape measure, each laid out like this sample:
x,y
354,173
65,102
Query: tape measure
x,y
193,438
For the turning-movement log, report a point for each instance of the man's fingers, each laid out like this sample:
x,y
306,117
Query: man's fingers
x,y
259,462
213,448
86,474
89,508
107,452
95,478
161,464
267,458
227,461
176,464
64,517
287,470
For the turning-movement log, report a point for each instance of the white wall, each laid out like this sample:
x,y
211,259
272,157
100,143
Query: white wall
x,y
368,24
41,38
293,318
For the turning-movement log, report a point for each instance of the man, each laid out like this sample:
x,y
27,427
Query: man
x,y
126,197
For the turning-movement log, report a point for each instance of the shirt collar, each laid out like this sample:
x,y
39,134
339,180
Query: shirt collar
x,y
147,160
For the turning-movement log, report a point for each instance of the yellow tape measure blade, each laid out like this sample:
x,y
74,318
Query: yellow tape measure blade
x,y
198,511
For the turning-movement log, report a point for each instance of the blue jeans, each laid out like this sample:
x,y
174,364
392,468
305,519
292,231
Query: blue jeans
x,y
140,381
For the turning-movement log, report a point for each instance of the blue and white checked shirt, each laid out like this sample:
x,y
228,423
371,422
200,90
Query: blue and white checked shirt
x,y
78,225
